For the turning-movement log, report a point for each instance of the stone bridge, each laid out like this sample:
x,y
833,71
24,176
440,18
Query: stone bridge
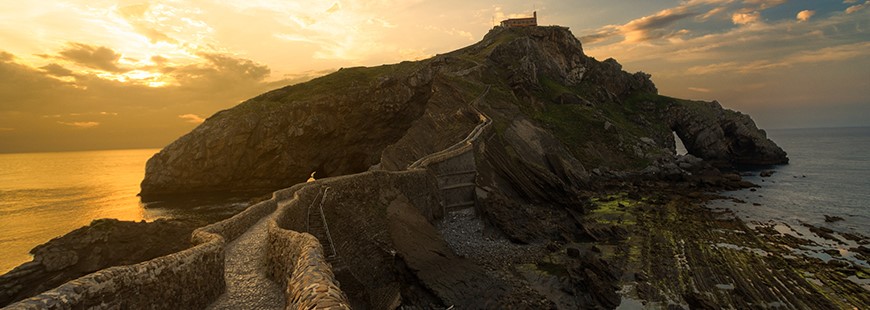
x,y
279,253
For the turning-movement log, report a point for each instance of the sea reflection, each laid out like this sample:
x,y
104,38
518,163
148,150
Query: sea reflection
x,y
45,195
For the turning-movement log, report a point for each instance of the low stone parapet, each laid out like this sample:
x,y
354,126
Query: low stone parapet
x,y
297,261
189,279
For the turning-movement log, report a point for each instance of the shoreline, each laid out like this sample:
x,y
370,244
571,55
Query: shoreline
x,y
654,240
710,256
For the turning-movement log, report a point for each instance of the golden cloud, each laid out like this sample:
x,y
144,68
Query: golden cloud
x,y
805,15
95,57
192,118
80,124
745,18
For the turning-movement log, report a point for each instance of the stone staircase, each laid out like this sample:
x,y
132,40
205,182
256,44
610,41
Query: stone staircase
x,y
455,167
457,181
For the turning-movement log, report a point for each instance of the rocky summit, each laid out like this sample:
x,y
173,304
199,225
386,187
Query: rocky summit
x,y
556,111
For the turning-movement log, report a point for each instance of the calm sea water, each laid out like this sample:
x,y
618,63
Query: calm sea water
x,y
828,174
46,195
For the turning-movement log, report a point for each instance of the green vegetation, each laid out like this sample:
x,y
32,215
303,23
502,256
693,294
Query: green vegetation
x,y
614,209
503,37
346,78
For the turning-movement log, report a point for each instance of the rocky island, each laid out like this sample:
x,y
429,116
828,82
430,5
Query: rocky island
x,y
514,173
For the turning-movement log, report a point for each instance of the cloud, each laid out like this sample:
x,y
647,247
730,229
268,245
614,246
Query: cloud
x,y
712,68
143,18
857,7
2,129
219,72
713,12
5,57
764,4
96,57
657,25
834,53
648,27
55,112
699,89
334,8
80,124
602,34
805,15
829,54
192,118
745,18
57,70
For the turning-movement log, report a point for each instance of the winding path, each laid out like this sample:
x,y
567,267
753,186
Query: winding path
x,y
248,286
247,283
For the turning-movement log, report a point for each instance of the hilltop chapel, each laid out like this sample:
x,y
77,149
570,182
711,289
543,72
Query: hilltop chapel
x,y
521,22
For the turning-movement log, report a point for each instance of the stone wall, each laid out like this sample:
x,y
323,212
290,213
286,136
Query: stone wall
x,y
296,261
358,202
189,279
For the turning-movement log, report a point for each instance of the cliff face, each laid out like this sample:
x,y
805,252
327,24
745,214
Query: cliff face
x,y
334,125
557,114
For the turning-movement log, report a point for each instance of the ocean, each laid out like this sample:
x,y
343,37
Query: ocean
x,y
46,195
828,175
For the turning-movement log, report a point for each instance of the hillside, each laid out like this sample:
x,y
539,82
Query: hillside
x,y
548,100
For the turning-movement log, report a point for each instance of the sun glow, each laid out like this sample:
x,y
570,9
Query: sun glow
x,y
123,43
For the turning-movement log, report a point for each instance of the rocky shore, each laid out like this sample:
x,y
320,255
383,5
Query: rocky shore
x,y
655,244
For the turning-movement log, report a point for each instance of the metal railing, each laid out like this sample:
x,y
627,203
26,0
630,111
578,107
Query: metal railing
x,y
460,146
325,225
308,214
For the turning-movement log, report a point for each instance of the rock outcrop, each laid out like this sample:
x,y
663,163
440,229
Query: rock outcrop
x,y
724,136
102,244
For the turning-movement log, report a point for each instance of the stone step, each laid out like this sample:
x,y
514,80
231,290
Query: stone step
x,y
459,185
447,174
454,179
461,205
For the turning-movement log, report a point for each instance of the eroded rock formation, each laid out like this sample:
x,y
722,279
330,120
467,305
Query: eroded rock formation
x,y
721,135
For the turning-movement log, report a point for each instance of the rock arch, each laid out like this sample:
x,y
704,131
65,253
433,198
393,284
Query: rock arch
x,y
721,136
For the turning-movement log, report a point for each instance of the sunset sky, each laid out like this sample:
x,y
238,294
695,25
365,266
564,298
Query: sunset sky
x,y
99,74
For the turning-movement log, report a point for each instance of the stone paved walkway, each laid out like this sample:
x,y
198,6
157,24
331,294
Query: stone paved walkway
x,y
248,287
